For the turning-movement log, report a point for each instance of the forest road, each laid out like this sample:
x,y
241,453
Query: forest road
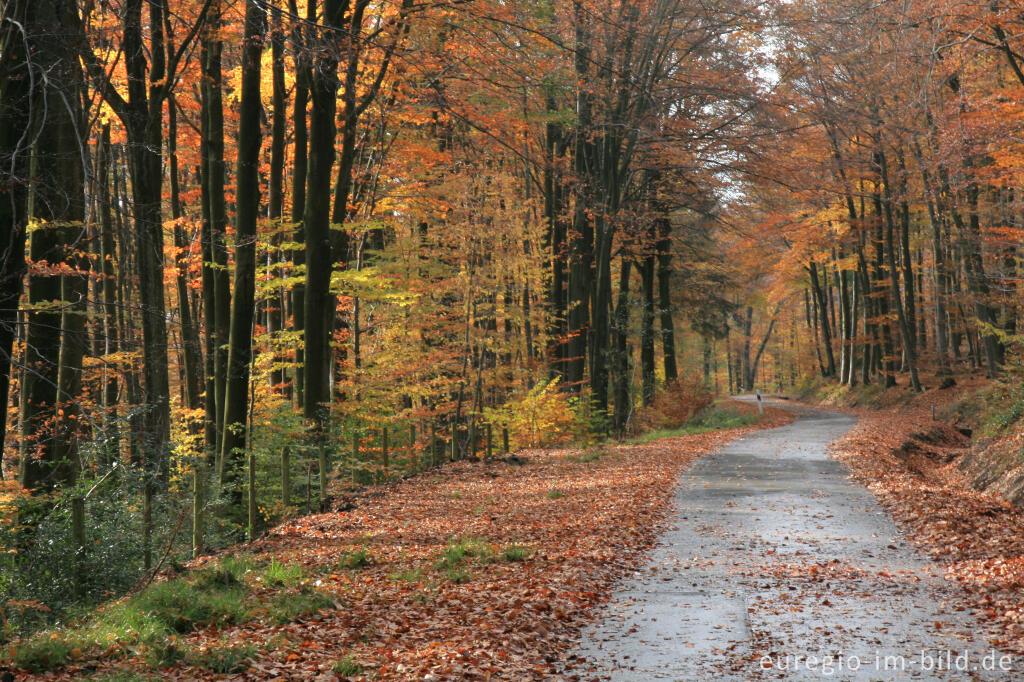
x,y
777,566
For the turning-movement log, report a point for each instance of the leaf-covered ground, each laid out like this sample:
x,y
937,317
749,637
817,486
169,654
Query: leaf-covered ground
x,y
472,571
908,460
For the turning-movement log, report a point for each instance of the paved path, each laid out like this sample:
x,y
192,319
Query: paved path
x,y
775,557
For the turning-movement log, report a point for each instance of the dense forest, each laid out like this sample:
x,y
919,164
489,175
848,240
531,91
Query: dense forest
x,y
248,247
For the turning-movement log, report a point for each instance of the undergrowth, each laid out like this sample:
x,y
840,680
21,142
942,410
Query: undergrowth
x,y
717,418
226,593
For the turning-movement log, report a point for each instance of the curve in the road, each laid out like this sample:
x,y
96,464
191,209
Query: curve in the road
x,y
779,567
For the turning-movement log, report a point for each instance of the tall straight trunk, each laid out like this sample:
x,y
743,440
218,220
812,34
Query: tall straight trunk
x,y
647,274
149,74
907,332
236,402
812,324
316,224
275,210
300,165
58,198
870,330
214,186
554,208
978,284
906,262
939,280
843,329
581,238
192,369
728,361
145,142
668,330
600,315
15,92
826,332
855,314
879,287
108,256
74,336
752,368
746,374
623,394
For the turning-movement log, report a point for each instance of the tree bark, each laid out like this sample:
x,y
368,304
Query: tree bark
x,y
236,402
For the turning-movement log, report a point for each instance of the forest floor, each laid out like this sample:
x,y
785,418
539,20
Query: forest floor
x,y
909,460
777,566
471,571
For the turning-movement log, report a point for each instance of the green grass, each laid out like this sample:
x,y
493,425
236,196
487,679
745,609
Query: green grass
x,y
218,595
282,575
223,660
459,552
412,575
590,455
122,676
717,418
348,666
517,552
291,605
555,494
149,618
355,559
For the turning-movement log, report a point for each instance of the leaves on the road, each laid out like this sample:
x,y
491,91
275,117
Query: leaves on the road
x,y
472,571
908,460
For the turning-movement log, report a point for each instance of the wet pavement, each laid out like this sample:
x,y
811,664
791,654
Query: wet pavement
x,y
778,566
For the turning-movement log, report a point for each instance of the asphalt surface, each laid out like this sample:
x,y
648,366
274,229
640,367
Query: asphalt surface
x,y
778,566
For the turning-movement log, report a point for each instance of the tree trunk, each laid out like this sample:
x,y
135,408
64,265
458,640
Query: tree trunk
x,y
15,92
57,197
247,205
300,165
647,274
316,223
623,397
275,211
668,330
214,197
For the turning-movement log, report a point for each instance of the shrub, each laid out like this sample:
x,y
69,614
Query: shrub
x,y
543,416
677,404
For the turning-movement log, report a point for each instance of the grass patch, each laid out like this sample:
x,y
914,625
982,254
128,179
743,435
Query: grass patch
x,y
228,572
458,552
356,559
286,607
216,595
717,418
412,575
348,666
122,676
555,494
517,552
590,455
281,575
149,618
223,660
179,606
